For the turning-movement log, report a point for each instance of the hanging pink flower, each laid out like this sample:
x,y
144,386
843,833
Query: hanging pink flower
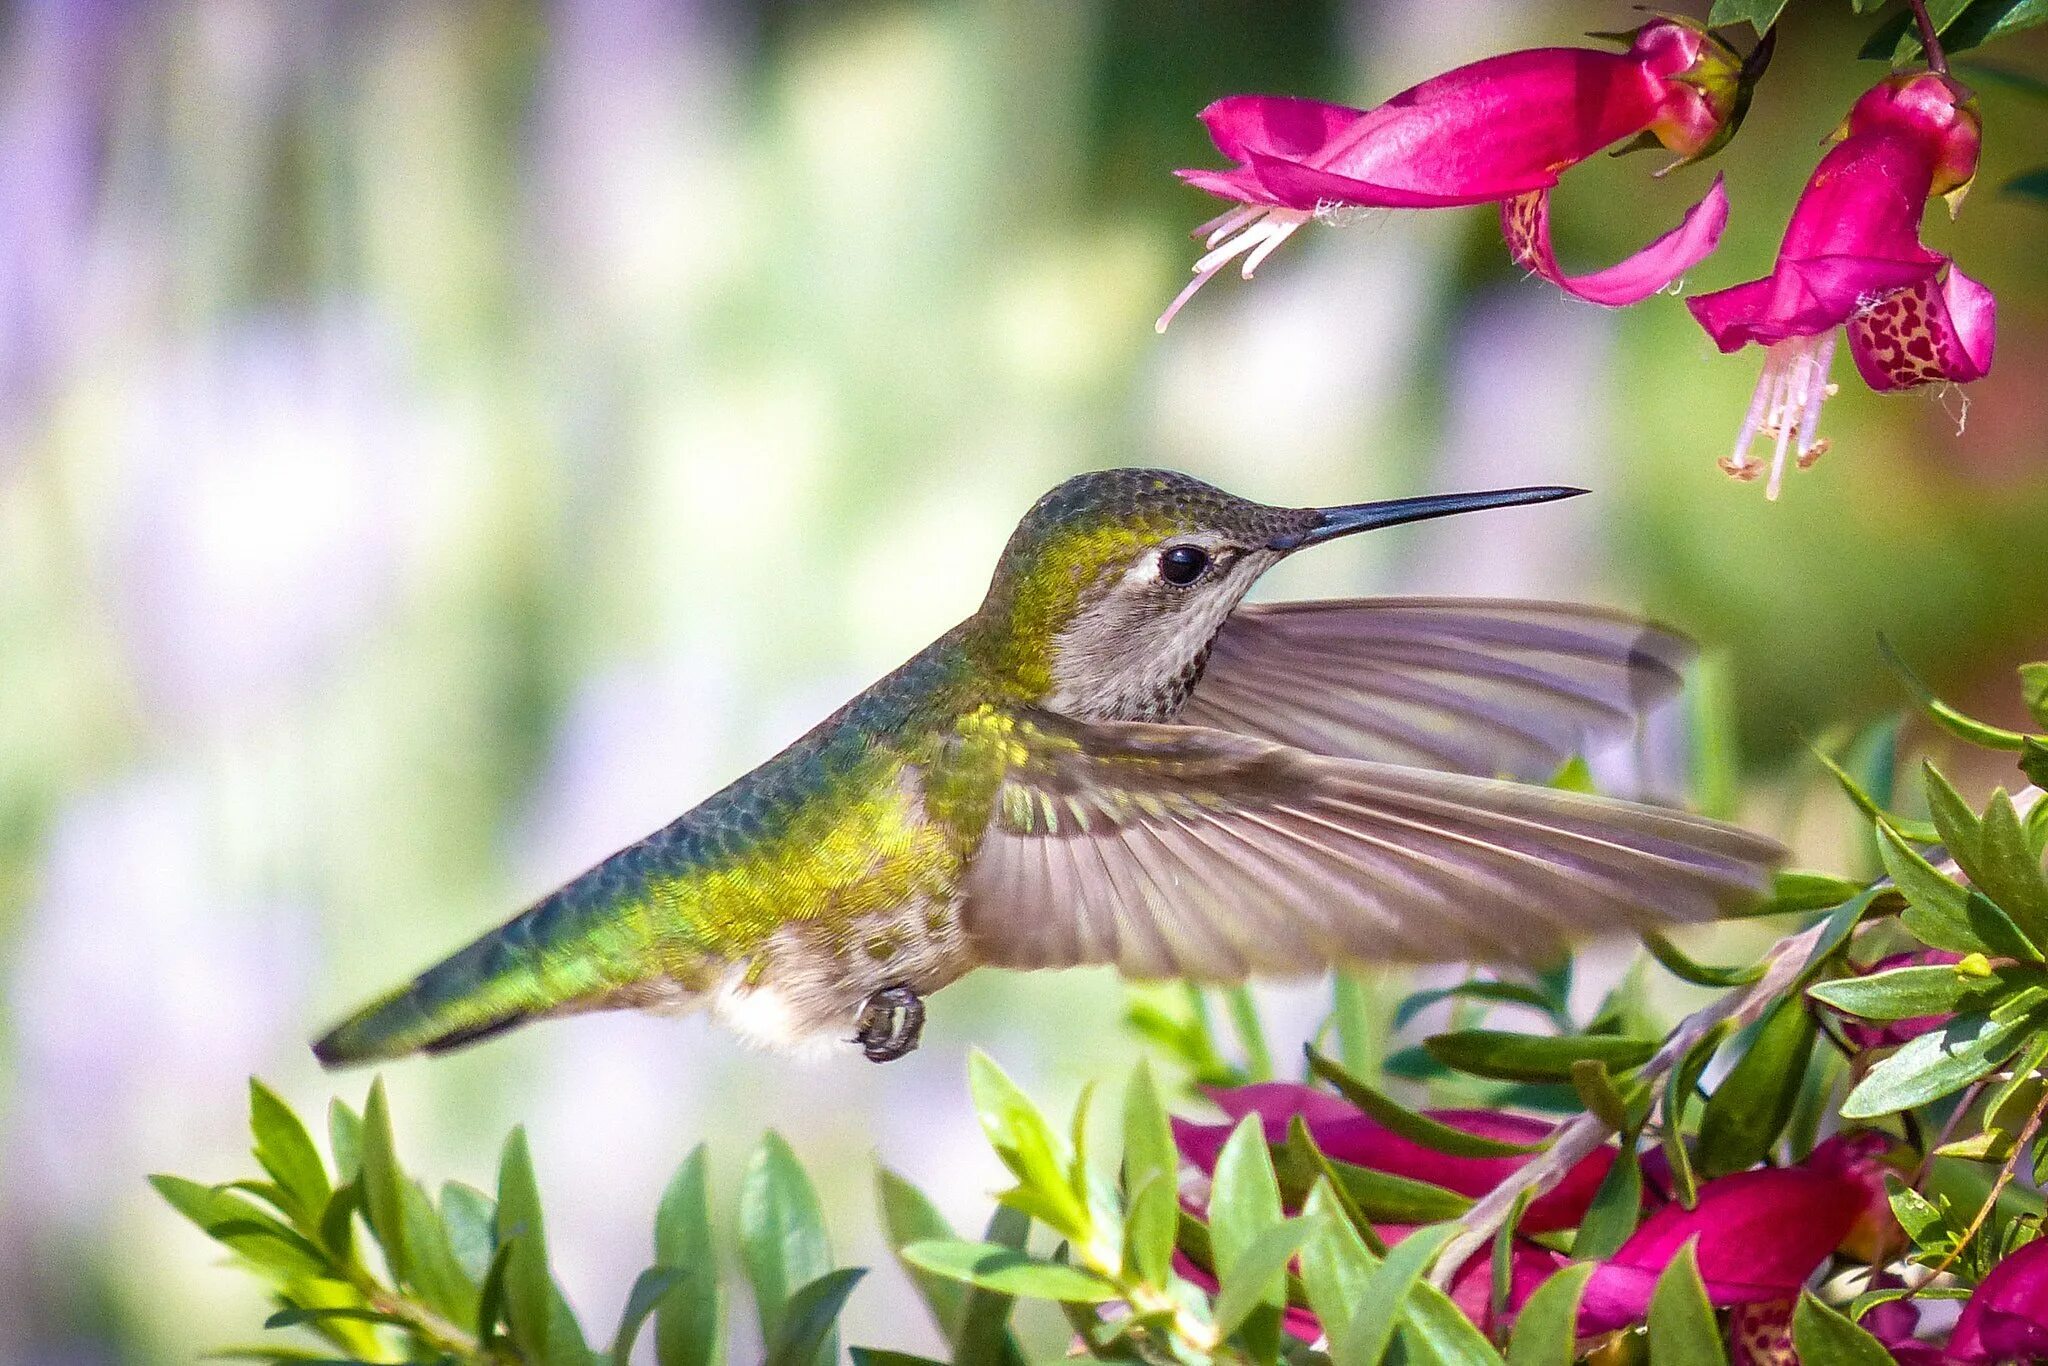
x,y
1496,131
2007,1316
1852,260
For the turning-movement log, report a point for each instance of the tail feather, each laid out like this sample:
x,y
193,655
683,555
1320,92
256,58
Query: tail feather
x,y
553,958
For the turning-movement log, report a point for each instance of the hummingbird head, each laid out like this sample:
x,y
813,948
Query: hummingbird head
x,y
1112,588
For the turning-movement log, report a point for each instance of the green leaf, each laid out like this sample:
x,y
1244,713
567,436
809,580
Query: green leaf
x,y
689,1317
2034,754
242,1227
807,1334
908,1216
490,1300
1919,831
1616,1206
984,1335
1437,1331
1798,891
1251,1034
2034,677
1682,1328
383,1185
1758,14
648,1288
1335,1262
468,1217
286,1151
1679,965
437,1277
782,1230
1989,20
1823,1334
1546,1331
1398,1118
1035,1154
2004,868
1680,1084
293,1316
1365,1339
541,1326
345,1138
1244,1202
875,1356
1009,1271
1533,1057
1909,992
1504,993
1936,905
1386,1198
1151,1179
1258,1274
1599,1094
1749,1109
1359,1023
1963,727
1944,1060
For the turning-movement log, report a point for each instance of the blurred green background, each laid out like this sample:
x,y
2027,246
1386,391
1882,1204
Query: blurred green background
x,y
441,441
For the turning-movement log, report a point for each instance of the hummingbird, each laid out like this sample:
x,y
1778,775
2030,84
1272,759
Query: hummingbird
x,y
1115,760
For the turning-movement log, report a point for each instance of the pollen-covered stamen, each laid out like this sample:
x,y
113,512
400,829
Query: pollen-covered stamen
x,y
1253,232
1786,407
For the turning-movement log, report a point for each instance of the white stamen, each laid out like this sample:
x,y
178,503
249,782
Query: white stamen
x,y
1253,232
1786,407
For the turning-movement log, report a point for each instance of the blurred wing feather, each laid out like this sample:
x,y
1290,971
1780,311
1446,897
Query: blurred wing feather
x,y
1172,850
1464,685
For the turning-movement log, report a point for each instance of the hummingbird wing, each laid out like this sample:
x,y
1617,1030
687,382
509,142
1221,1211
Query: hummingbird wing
x,y
1467,685
1173,850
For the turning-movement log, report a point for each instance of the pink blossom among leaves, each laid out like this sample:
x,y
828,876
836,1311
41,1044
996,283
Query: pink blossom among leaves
x,y
1496,131
1852,260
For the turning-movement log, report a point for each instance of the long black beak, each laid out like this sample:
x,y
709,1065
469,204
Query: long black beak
x,y
1343,521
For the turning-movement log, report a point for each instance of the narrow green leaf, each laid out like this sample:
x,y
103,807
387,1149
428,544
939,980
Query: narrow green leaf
x,y
490,1300
1416,1128
1359,1023
1989,20
1244,1199
1335,1262
437,1277
1596,1088
344,1139
1035,1154
468,1216
1437,1331
1942,1061
908,1216
1365,1339
247,1230
1918,831
1388,1199
807,1334
1616,1207
1251,1034
1546,1331
984,1335
1009,1271
295,1315
1966,728
1258,1274
1533,1057
1682,1327
1908,992
1823,1334
1503,993
1749,1109
2034,677
1151,1179
1937,905
876,1356
286,1151
383,1185
782,1230
1674,961
1680,1083
689,1316
648,1288
541,1327
1758,14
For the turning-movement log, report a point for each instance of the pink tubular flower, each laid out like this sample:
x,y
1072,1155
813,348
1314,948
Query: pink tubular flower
x,y
1345,1135
1497,131
1758,1235
1852,258
2007,1316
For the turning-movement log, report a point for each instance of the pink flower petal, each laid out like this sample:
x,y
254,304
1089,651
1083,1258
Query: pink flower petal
x,y
1345,1135
2007,1317
1801,298
1525,222
1760,1235
1933,332
1275,125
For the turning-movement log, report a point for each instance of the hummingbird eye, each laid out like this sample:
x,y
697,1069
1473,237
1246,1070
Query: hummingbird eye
x,y
1182,564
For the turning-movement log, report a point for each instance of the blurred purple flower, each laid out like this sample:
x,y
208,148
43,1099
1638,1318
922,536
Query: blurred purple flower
x,y
1852,259
1495,131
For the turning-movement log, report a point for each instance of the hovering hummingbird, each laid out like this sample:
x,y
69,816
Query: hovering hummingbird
x,y
1114,762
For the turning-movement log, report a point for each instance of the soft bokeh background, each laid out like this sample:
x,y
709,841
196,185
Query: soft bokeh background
x,y
441,441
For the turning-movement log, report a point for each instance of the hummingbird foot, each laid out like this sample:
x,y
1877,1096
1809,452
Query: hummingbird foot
x,y
891,1023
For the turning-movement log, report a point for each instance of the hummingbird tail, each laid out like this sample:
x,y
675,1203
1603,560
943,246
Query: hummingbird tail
x,y
556,957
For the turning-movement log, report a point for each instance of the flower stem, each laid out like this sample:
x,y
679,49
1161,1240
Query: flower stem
x,y
1930,43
